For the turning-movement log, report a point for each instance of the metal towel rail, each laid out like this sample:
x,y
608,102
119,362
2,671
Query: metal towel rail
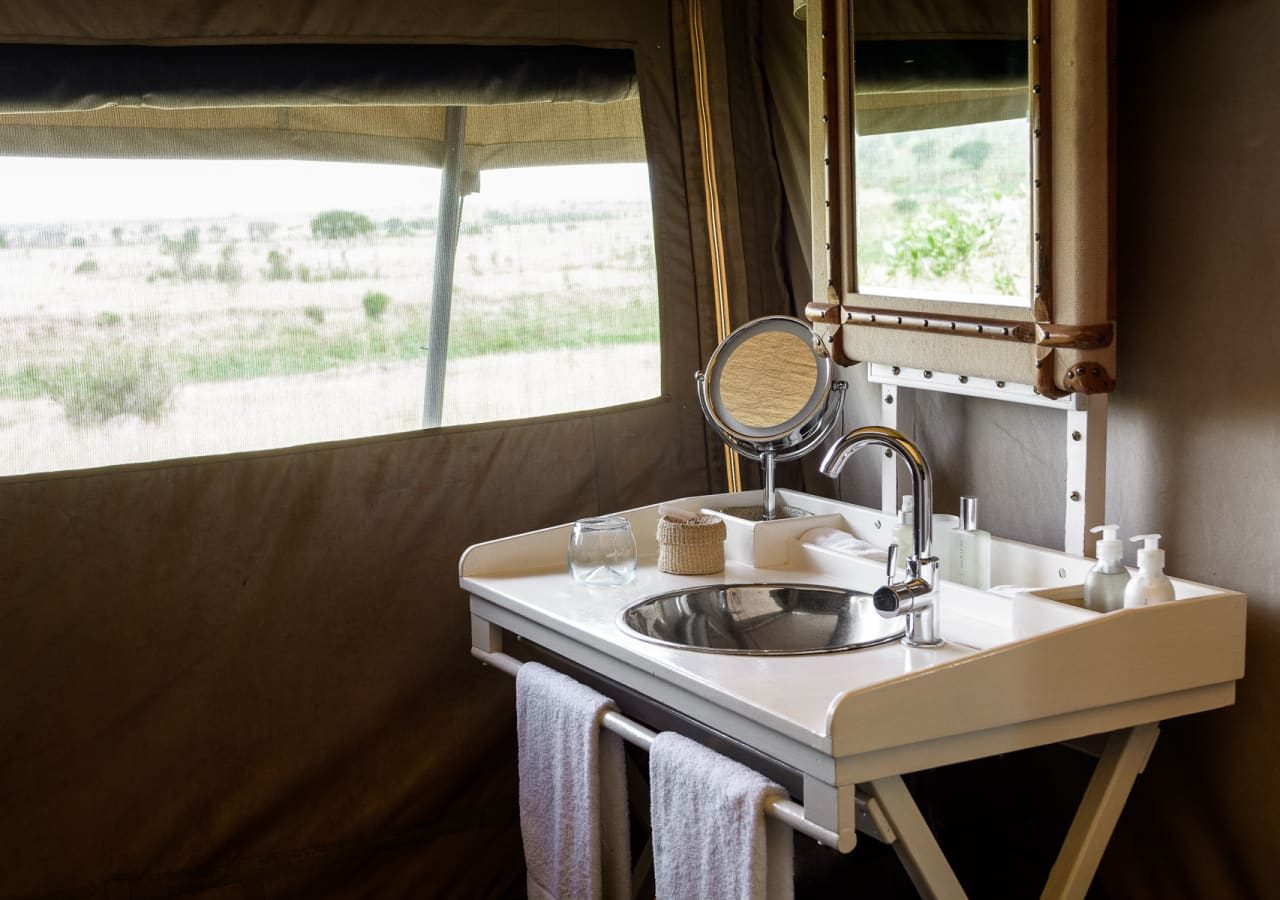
x,y
786,811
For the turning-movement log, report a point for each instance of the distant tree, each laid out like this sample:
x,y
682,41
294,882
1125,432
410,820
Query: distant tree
x,y
117,235
397,228
972,153
340,224
924,152
262,231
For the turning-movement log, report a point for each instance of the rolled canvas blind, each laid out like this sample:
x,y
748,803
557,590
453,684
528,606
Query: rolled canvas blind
x,y
931,64
528,105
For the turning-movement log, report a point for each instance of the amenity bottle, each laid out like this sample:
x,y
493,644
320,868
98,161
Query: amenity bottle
x,y
971,547
1150,585
1105,584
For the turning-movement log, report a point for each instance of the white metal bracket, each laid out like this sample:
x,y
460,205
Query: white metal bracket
x,y
1086,439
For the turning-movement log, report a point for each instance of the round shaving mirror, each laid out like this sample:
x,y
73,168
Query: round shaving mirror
x,y
768,391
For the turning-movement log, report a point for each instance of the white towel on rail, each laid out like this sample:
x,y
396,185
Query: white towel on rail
x,y
711,839
573,791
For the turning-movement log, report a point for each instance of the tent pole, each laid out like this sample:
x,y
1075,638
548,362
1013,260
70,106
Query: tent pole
x,y
447,225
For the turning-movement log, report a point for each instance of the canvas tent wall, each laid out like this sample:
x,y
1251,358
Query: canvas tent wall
x,y
248,674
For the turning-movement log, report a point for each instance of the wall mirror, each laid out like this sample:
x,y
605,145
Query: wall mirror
x,y
769,393
963,152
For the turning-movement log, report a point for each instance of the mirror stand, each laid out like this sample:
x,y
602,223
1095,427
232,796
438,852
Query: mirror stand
x,y
1084,438
770,453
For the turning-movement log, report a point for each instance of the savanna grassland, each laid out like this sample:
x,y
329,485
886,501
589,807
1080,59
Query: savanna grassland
x,y
141,339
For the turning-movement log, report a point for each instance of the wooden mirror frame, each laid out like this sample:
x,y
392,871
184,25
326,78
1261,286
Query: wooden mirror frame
x,y
1064,342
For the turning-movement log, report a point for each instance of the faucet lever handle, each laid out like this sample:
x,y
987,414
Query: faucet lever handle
x,y
891,564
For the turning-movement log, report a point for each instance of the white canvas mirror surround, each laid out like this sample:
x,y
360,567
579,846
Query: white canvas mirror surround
x,y
1058,334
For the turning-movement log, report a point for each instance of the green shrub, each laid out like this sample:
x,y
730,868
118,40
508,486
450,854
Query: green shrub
x,y
87,267
112,380
229,270
340,224
277,267
314,313
941,242
375,303
183,250
108,320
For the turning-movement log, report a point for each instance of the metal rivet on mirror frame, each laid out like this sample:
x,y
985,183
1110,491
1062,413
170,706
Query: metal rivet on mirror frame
x,y
897,370
999,384
1075,435
877,524
888,400
1035,88
964,379
928,374
1075,496
1062,573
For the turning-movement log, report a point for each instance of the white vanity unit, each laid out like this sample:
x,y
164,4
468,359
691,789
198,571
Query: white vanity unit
x,y
839,729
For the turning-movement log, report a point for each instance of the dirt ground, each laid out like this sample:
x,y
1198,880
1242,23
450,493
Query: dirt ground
x,y
217,417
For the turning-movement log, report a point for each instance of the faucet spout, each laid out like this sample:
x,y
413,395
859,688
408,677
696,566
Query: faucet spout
x,y
916,598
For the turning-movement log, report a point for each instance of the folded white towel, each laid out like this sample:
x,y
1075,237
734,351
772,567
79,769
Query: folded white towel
x,y
842,542
573,791
710,837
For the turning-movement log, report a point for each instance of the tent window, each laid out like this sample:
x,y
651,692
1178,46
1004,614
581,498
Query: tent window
x,y
270,280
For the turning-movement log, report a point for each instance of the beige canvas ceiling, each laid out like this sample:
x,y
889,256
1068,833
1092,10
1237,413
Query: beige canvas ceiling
x,y
496,136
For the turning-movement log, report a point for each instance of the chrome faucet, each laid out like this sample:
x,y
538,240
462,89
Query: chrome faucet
x,y
917,596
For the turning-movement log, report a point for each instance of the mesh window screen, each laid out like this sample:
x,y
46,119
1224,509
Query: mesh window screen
x,y
176,305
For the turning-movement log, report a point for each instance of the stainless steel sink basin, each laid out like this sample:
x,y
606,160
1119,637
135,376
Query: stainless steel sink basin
x,y
761,619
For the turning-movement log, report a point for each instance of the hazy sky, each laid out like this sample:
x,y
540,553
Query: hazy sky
x,y
67,190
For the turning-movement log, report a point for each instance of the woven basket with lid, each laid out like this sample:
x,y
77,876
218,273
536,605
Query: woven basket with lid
x,y
692,547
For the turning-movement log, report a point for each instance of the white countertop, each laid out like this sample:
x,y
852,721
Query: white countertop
x,y
1007,662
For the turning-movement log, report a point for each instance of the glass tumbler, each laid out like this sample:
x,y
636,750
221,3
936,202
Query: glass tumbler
x,y
602,550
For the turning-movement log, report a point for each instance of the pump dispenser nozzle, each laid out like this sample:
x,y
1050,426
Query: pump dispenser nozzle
x,y
1150,556
1110,549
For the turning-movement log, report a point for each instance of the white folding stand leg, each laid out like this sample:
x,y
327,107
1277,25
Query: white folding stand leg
x,y
915,845
1123,759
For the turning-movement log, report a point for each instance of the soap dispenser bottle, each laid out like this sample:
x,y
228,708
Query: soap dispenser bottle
x,y
1151,584
1105,584
903,533
972,548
